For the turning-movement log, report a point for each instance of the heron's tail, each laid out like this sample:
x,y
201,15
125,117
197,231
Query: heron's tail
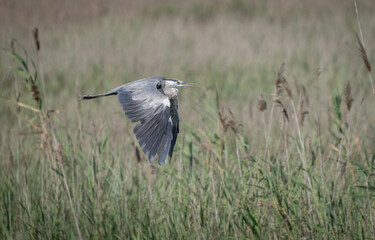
x,y
91,96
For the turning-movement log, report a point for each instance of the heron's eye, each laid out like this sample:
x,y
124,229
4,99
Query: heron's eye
x,y
158,85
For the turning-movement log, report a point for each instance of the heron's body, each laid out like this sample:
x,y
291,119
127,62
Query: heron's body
x,y
153,102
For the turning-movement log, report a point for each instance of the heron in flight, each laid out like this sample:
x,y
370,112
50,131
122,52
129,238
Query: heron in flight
x,y
153,102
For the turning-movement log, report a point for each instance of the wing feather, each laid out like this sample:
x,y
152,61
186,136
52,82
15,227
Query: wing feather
x,y
146,136
141,129
164,147
175,120
153,142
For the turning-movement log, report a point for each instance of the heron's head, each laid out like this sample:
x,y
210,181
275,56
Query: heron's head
x,y
175,83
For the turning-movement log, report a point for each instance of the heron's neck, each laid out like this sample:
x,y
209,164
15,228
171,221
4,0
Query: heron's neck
x,y
171,92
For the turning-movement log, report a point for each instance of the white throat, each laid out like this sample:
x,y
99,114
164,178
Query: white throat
x,y
171,92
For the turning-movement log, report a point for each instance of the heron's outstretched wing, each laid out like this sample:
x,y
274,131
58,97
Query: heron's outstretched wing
x,y
142,101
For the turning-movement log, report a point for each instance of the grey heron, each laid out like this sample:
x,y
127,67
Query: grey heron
x,y
153,102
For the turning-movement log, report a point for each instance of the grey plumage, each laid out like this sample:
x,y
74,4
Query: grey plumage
x,y
153,103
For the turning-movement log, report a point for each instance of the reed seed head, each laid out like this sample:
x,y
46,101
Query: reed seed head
x,y
363,54
281,83
36,38
348,96
262,104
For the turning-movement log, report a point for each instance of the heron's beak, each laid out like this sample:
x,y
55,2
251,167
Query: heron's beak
x,y
185,84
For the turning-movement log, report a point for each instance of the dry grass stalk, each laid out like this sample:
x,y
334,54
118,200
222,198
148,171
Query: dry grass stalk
x,y
281,83
348,96
301,113
285,114
228,122
363,53
36,38
288,90
279,80
304,93
302,90
57,150
12,47
45,140
362,49
297,86
284,111
223,121
262,104
233,124
318,72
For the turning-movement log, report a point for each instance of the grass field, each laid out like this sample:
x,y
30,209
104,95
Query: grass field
x,y
301,168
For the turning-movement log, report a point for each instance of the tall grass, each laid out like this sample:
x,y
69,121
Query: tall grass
x,y
297,163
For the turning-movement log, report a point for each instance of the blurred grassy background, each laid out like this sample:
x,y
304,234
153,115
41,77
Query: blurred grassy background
x,y
247,182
